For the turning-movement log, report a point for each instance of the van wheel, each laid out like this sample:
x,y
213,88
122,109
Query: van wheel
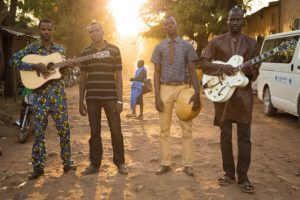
x,y
268,106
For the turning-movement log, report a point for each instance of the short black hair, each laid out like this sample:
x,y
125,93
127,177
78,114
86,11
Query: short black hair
x,y
45,21
141,62
93,22
236,9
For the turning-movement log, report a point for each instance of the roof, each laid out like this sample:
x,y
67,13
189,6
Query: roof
x,y
271,4
285,34
20,32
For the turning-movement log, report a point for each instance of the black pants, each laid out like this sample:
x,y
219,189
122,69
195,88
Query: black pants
x,y
94,108
244,150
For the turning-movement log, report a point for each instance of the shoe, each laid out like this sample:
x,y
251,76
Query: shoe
x,y
247,187
162,170
69,167
36,173
90,170
225,180
189,171
123,169
140,117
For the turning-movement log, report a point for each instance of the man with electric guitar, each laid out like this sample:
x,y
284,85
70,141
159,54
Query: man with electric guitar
x,y
237,107
37,63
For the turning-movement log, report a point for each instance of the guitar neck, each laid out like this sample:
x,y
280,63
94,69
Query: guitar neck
x,y
282,47
258,59
76,60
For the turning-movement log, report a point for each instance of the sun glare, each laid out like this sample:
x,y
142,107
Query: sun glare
x,y
126,14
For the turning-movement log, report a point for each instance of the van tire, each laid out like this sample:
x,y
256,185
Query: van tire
x,y
268,106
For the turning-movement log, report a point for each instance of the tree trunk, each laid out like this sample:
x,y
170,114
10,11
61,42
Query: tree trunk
x,y
2,5
12,13
10,82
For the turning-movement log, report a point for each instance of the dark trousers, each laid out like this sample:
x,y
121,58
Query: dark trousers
x,y
94,108
244,150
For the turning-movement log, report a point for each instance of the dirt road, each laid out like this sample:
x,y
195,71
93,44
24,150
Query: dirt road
x,y
274,171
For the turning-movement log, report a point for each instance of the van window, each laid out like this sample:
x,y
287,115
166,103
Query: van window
x,y
280,57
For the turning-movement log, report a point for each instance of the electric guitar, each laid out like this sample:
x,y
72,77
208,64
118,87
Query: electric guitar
x,y
53,62
221,88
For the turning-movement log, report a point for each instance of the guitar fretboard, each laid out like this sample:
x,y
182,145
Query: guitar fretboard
x,y
283,47
101,54
259,58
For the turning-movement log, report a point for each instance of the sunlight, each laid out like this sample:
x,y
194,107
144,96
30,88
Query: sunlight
x,y
126,14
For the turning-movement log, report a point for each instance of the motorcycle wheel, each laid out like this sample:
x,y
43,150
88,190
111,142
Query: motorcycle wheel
x,y
28,129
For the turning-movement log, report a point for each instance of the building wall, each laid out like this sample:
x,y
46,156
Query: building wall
x,y
264,22
290,10
275,18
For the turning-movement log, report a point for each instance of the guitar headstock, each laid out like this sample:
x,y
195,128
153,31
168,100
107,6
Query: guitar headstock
x,y
102,54
287,45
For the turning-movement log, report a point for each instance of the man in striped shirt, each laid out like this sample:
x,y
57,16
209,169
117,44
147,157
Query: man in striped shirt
x,y
101,87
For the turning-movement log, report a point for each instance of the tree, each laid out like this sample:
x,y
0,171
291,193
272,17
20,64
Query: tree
x,y
196,19
70,18
10,19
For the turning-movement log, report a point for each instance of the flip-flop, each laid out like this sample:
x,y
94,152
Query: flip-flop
x,y
225,180
247,187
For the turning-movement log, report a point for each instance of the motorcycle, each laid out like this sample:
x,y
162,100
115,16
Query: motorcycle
x,y
73,77
27,118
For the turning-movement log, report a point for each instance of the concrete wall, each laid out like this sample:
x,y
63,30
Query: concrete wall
x,y
275,18
264,22
290,10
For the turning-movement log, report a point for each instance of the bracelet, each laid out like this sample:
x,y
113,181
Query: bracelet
x,y
119,102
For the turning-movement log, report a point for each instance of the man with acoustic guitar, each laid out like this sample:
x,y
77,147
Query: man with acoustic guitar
x,y
237,109
50,98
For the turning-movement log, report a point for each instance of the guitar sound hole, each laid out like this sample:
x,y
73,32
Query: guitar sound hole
x,y
50,66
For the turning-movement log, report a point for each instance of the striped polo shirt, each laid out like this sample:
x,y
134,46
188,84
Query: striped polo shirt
x,y
101,83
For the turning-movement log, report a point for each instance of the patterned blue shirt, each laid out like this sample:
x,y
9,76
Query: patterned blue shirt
x,y
37,48
33,48
183,53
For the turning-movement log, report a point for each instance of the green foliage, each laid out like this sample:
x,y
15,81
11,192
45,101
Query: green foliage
x,y
70,18
196,19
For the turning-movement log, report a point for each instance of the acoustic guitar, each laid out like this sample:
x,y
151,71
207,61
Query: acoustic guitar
x,y
53,62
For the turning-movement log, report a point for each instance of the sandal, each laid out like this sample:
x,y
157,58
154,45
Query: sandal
x,y
225,180
247,187
131,115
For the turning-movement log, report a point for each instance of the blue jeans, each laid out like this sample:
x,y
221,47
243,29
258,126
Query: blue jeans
x,y
94,108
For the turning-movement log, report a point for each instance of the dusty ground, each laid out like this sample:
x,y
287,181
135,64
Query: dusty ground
x,y
275,168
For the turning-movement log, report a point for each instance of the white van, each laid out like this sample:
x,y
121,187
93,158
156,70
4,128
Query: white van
x,y
278,83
